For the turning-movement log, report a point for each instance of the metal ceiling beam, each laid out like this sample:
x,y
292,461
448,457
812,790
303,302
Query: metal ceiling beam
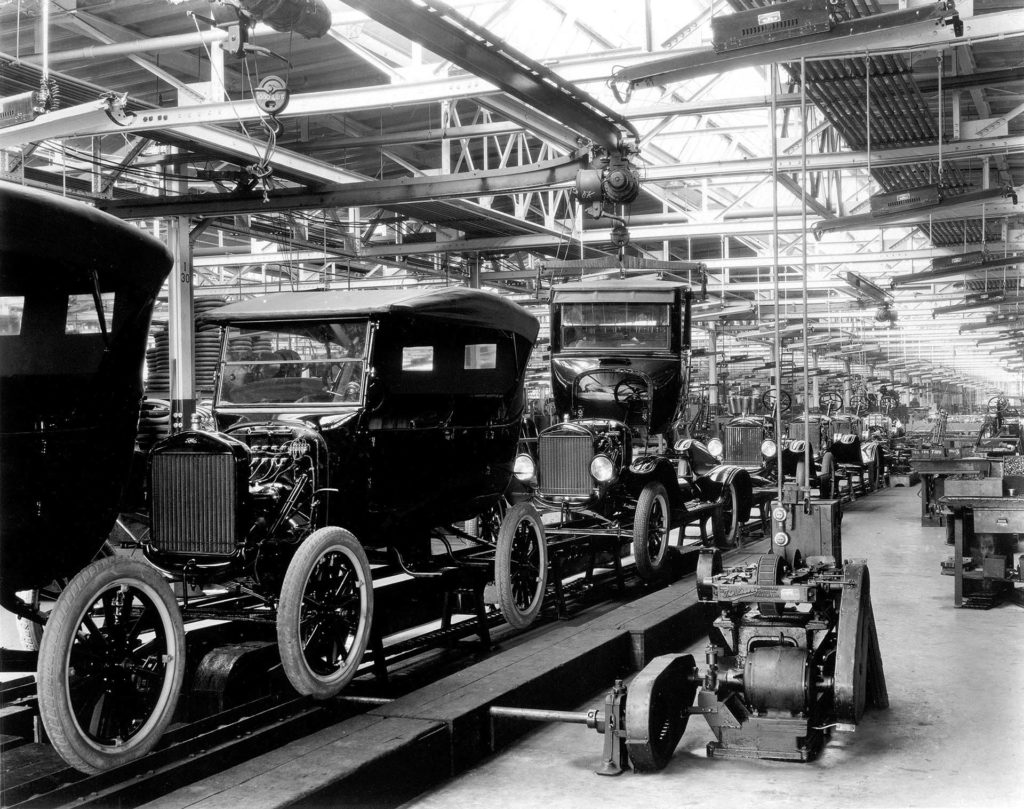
x,y
836,161
377,192
980,78
668,231
458,39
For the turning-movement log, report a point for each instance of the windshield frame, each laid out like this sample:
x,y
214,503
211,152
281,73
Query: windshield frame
x,y
334,354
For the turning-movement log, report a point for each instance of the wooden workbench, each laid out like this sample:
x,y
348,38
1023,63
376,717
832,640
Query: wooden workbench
x,y
991,515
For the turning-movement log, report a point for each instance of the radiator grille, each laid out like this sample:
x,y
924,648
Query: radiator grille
x,y
194,502
743,445
565,465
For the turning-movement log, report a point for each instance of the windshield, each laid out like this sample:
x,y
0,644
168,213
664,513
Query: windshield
x,y
320,364
615,325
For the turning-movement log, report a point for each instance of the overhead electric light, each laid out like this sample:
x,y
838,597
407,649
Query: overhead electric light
x,y
977,301
950,207
83,119
787,32
711,312
867,289
952,267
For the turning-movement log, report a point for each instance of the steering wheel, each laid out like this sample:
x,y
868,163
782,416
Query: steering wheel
x,y
998,404
322,396
768,399
830,402
630,389
860,405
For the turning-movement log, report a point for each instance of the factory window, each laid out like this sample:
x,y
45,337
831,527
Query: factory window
x,y
84,317
11,309
481,356
418,358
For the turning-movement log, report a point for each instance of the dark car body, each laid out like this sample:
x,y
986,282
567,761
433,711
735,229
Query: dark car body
x,y
77,289
619,365
384,412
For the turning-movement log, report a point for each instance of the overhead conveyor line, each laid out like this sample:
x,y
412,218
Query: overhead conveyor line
x,y
454,37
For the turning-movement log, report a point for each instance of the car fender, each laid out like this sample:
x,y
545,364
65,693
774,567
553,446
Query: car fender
x,y
655,467
713,484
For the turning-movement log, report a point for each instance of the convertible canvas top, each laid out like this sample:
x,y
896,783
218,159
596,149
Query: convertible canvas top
x,y
40,229
645,289
471,307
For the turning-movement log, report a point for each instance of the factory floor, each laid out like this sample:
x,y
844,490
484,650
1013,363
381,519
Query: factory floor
x,y
953,735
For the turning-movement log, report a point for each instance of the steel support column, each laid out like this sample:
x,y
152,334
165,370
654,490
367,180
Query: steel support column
x,y
180,325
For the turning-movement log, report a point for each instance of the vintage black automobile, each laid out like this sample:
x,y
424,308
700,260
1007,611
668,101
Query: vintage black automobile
x,y
77,290
348,426
749,440
613,466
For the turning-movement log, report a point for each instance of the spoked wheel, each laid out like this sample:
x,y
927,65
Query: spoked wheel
x,y
325,613
656,710
111,663
485,526
731,513
521,565
651,526
769,572
42,601
827,484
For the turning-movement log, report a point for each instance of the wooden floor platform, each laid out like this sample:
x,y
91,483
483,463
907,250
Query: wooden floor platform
x,y
397,750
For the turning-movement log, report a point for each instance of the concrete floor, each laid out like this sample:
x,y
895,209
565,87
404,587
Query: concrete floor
x,y
952,737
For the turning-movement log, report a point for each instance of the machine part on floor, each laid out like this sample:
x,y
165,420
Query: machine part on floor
x,y
657,710
793,654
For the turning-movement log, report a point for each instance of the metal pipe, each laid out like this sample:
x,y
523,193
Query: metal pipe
x,y
806,482
541,715
173,42
777,344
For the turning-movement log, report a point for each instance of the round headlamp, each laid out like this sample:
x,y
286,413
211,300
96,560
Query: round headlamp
x,y
602,469
768,448
524,469
715,447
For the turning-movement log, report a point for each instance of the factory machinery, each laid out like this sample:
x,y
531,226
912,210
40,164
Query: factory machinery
x,y
792,655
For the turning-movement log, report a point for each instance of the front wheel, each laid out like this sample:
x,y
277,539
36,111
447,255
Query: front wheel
x,y
325,612
521,565
651,526
731,524
111,663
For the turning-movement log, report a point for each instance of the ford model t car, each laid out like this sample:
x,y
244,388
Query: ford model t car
x,y
74,318
619,356
365,420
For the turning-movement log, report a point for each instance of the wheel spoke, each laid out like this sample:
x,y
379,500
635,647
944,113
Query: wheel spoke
x,y
138,626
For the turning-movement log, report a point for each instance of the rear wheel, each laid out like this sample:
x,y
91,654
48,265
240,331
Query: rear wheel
x,y
111,663
325,612
651,525
521,565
